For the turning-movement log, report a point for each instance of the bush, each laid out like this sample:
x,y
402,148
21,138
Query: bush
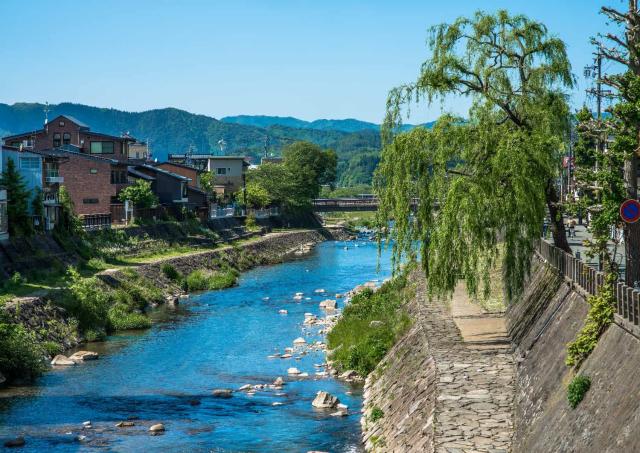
x,y
21,356
121,318
376,414
577,389
170,272
200,280
52,348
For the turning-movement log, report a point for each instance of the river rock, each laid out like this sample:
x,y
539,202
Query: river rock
x,y
297,297
87,424
157,428
283,312
319,291
299,340
17,442
324,400
293,371
299,294
285,356
126,424
222,393
279,382
62,360
376,324
329,304
82,356
245,387
349,374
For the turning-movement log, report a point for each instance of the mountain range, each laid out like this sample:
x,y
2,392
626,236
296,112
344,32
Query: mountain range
x,y
170,130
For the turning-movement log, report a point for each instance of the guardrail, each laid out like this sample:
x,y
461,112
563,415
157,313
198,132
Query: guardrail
x,y
96,221
590,280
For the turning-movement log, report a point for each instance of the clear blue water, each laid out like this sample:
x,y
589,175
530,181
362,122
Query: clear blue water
x,y
219,339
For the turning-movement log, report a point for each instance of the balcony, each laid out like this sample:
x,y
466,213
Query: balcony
x,y
50,198
53,179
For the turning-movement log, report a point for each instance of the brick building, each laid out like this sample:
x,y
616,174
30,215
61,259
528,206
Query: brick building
x,y
66,130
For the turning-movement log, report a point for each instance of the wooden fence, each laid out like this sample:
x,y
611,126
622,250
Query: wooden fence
x,y
590,280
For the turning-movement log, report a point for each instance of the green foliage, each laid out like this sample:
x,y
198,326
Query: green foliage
x,y
250,223
600,316
358,169
257,195
140,194
488,180
207,182
376,414
69,224
356,343
577,389
20,223
52,348
170,272
200,280
122,318
309,167
20,353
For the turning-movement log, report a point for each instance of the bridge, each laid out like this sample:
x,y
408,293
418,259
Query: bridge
x,y
349,204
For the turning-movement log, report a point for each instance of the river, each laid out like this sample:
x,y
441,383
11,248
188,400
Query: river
x,y
217,339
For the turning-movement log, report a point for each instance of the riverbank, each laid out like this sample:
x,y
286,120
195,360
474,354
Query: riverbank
x,y
120,298
447,385
216,340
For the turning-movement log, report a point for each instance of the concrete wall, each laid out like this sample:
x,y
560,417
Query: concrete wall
x,y
548,316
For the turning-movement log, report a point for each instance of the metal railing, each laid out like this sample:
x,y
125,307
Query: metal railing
x,y
590,280
96,221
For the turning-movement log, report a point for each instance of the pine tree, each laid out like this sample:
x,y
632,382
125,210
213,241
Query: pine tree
x,y
20,222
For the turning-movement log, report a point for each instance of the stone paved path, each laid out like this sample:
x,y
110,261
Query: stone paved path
x,y
475,376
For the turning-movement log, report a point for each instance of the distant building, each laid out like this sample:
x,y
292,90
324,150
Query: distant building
x,y
271,160
66,130
28,165
228,171
139,151
169,187
185,170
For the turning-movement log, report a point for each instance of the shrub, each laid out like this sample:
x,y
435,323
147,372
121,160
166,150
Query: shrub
x,y
16,279
376,414
20,353
122,318
170,272
196,281
223,279
577,389
52,348
199,280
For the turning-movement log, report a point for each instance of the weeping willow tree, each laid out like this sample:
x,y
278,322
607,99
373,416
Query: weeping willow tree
x,y
482,185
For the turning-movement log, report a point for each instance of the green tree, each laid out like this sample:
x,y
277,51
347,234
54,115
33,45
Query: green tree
x,y
68,221
20,222
309,167
492,176
278,182
207,182
257,196
140,194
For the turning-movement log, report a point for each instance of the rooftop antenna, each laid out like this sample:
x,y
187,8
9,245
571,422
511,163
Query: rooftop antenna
x,y
46,113
266,145
187,156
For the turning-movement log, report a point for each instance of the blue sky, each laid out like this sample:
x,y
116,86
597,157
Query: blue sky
x,y
309,59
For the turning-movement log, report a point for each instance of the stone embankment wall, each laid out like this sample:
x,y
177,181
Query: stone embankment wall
x,y
549,315
437,391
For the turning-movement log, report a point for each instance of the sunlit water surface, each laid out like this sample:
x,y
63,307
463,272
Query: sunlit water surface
x,y
218,339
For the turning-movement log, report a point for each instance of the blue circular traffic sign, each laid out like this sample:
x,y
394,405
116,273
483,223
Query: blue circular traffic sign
x,y
630,211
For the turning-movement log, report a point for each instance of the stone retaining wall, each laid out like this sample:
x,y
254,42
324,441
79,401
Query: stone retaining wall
x,y
549,315
438,393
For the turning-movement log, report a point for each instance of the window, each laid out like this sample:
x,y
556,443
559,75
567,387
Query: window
x,y
93,171
30,163
221,171
57,140
61,124
118,177
90,201
184,190
66,138
101,148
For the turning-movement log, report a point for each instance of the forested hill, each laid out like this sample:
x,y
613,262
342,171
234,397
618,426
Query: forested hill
x,y
171,130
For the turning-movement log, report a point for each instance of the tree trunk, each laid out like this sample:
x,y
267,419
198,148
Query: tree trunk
x,y
557,223
632,230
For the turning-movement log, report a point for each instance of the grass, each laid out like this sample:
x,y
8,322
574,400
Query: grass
x,y
201,280
358,345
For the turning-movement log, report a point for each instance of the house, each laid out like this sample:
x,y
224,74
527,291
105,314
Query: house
x,y
4,221
93,181
228,171
139,152
169,187
66,130
28,165
184,170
